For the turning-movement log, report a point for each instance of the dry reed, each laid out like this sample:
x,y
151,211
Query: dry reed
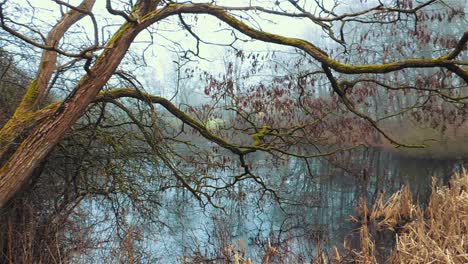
x,y
438,234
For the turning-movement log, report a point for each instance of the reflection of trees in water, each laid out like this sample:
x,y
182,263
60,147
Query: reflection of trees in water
x,y
314,207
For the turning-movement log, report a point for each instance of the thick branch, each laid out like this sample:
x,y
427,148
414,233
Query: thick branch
x,y
24,115
38,88
350,106
314,51
119,93
16,171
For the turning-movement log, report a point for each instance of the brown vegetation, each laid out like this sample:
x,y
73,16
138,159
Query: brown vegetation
x,y
440,234
326,88
437,234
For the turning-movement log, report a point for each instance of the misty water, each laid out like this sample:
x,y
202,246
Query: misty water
x,y
315,207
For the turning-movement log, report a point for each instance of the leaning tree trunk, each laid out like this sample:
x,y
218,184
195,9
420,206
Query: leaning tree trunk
x,y
25,114
44,136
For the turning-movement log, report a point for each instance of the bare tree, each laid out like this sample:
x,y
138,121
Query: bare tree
x,y
36,128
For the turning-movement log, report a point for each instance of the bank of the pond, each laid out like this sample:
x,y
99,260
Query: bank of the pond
x,y
449,143
436,234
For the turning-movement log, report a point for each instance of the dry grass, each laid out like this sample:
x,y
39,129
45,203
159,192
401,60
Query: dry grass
x,y
396,212
438,234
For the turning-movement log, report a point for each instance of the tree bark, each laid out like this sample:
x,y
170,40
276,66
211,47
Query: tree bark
x,y
35,94
15,173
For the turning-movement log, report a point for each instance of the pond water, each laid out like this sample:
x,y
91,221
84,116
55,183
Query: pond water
x,y
316,202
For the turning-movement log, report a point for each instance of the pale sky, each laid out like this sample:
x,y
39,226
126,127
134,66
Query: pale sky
x,y
160,61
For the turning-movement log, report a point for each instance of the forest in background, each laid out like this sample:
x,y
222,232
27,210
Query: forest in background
x,y
103,143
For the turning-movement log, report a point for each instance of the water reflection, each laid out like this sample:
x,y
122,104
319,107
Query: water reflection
x,y
316,201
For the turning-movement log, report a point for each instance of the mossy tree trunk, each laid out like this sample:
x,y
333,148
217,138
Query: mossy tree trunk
x,y
50,129
38,130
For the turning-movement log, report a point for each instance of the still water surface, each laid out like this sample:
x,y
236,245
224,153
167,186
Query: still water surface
x,y
314,207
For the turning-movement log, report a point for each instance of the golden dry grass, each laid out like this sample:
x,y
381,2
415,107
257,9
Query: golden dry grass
x,y
438,234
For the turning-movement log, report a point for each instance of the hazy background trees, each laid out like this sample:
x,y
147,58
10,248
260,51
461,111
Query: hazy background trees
x,y
106,147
